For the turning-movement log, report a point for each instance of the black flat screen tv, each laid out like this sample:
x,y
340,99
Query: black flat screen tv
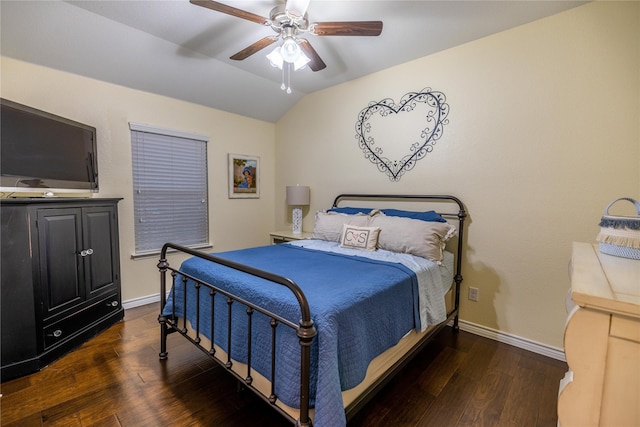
x,y
44,153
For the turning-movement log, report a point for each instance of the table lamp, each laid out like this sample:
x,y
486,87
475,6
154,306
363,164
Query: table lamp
x,y
297,196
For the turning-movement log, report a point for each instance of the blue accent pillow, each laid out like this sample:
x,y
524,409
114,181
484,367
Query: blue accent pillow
x,y
431,216
351,211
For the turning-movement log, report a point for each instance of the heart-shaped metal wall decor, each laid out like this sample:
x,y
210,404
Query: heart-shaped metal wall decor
x,y
394,136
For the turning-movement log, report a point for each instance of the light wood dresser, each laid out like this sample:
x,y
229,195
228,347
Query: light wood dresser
x,y
601,342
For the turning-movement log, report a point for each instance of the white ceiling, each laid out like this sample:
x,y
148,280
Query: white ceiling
x,y
180,50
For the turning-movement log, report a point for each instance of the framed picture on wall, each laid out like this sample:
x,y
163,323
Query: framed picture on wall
x,y
244,176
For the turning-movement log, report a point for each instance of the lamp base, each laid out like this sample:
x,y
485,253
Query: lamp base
x,y
296,215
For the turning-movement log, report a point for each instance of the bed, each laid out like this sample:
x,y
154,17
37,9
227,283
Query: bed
x,y
316,327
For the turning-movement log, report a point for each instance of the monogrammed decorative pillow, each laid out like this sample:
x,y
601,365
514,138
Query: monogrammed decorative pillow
x,y
354,237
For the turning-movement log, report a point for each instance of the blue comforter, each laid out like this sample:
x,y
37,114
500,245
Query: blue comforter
x,y
360,308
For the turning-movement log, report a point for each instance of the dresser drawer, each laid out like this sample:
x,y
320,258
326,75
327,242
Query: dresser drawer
x,y
66,328
626,328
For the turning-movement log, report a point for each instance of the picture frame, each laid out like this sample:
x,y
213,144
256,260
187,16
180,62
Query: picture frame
x,y
244,176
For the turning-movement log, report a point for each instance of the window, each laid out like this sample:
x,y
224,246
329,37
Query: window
x,y
169,188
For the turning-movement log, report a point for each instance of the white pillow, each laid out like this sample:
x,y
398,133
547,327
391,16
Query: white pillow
x,y
355,237
328,225
405,235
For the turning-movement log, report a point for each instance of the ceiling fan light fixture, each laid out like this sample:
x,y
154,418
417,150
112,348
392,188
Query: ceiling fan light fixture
x,y
277,58
290,51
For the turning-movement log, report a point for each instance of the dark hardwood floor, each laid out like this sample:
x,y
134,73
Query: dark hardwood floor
x,y
116,379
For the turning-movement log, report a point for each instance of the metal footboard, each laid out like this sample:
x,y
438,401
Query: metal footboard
x,y
305,330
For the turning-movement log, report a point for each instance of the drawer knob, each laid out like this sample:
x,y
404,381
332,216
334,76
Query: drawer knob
x,y
56,334
86,252
113,303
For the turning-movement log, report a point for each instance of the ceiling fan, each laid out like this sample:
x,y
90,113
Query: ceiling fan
x,y
289,20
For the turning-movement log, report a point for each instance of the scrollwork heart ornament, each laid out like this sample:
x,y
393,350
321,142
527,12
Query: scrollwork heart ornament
x,y
426,107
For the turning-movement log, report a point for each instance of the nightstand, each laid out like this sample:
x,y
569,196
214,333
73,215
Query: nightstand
x,y
278,237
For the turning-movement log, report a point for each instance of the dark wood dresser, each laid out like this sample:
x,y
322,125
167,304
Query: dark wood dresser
x,y
60,275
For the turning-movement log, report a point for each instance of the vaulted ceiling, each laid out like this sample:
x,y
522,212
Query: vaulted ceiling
x,y
181,50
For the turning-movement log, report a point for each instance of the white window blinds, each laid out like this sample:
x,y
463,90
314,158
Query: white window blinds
x,y
169,188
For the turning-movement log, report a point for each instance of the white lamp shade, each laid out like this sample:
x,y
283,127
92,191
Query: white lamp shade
x,y
301,62
275,58
290,51
297,195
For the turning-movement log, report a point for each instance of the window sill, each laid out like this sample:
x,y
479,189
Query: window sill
x,y
156,253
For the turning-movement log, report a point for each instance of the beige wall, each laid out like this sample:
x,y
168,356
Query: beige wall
x,y
234,223
543,133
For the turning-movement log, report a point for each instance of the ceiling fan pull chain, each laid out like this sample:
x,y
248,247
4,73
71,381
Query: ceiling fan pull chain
x,y
282,86
289,65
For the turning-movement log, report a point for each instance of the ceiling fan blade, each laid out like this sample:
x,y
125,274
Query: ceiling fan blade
x,y
230,10
297,7
347,28
316,63
257,46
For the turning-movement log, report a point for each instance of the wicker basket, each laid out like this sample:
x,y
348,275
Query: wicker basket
x,y
620,235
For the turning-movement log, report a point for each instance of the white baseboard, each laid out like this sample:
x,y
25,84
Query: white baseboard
x,y
514,340
483,331
137,302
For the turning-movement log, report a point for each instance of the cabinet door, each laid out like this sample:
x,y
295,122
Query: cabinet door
x,y
61,268
100,238
17,316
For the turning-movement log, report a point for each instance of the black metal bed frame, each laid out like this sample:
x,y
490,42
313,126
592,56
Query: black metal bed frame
x,y
305,330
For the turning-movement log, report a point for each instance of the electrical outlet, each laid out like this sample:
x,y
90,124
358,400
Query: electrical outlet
x,y
474,294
